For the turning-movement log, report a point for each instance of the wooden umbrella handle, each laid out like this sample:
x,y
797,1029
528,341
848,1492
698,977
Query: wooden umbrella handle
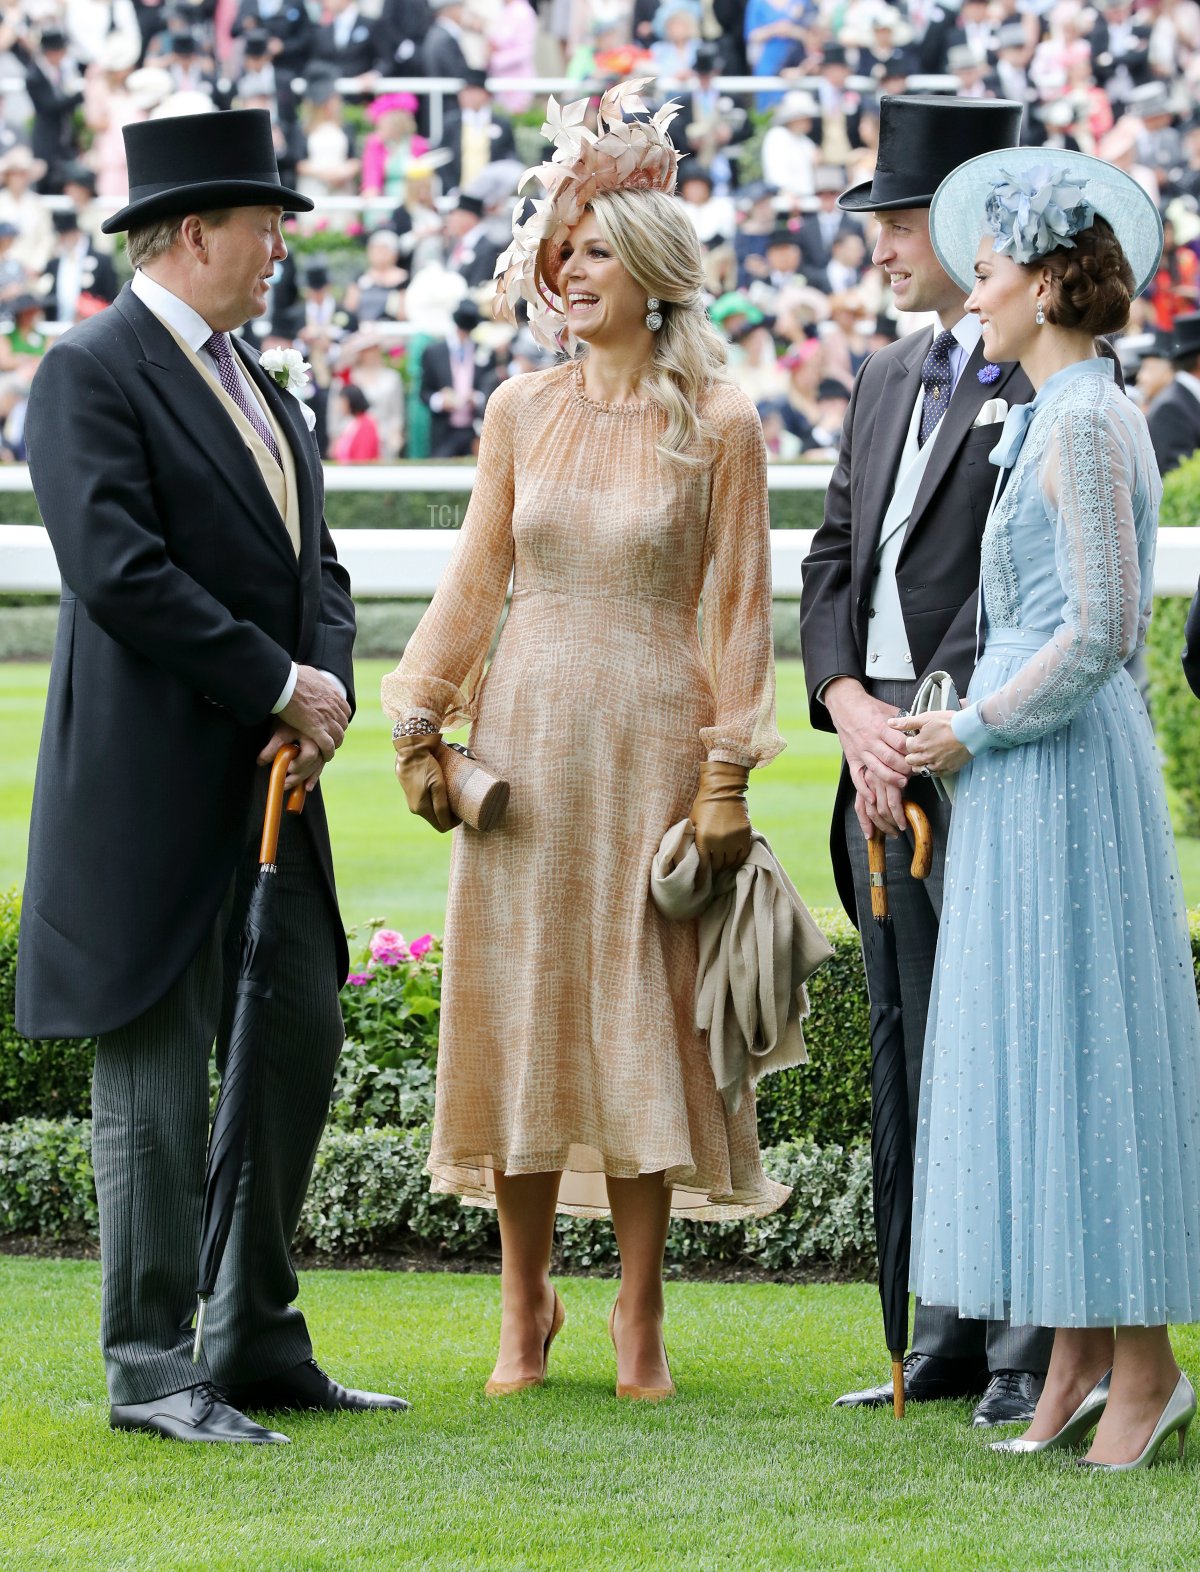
x,y
269,845
877,865
918,823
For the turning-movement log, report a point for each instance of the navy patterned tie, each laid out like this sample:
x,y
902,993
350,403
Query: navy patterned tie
x,y
219,347
936,379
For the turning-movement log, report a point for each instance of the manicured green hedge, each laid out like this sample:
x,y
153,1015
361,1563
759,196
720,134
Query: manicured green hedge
x,y
49,1079
1176,713
370,1193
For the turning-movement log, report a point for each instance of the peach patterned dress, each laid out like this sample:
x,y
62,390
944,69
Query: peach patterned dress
x,y
566,1031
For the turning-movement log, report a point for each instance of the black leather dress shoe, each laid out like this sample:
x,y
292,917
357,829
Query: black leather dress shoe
x,y
198,1413
307,1386
927,1379
1010,1399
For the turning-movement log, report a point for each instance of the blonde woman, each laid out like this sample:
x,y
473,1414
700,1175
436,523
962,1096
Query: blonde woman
x,y
619,485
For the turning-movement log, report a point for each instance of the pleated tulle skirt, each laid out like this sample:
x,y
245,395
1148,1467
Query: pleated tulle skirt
x,y
1058,1157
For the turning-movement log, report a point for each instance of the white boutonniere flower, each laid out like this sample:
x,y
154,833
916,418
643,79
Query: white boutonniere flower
x,y
290,370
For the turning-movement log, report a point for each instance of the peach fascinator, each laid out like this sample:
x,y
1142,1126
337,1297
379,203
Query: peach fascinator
x,y
621,154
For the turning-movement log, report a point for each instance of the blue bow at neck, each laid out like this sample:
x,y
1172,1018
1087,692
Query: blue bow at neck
x,y
1016,424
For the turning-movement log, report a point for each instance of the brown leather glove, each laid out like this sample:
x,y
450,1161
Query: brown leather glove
x,y
421,779
719,815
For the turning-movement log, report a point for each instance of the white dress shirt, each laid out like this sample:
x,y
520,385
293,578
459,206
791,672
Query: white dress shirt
x,y
195,333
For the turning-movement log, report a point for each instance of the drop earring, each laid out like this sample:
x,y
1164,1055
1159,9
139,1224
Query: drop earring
x,y
653,315
1040,317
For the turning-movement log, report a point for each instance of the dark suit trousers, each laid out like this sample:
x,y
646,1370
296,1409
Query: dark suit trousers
x,y
150,1132
916,907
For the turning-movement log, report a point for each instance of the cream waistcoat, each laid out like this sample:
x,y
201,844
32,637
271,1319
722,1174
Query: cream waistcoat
x,y
281,483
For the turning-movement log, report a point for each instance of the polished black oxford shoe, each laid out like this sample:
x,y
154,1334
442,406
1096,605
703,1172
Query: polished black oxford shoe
x,y
1010,1399
927,1379
307,1387
198,1413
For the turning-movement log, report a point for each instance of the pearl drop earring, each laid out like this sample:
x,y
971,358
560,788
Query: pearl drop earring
x,y
653,315
1040,318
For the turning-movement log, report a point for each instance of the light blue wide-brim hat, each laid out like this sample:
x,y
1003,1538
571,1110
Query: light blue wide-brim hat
x,y
957,214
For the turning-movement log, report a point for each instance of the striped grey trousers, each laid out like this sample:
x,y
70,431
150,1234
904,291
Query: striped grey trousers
x,y
149,1139
916,907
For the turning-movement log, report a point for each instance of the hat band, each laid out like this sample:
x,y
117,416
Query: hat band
x,y
161,187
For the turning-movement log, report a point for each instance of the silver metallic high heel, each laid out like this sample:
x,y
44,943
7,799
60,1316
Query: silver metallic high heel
x,y
1175,1419
1081,1423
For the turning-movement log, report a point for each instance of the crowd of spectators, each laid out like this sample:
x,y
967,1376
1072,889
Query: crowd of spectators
x,y
387,289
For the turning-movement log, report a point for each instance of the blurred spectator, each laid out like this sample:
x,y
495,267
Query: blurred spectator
x,y
677,36
1174,416
113,101
373,296
442,51
512,45
22,342
89,23
1155,370
14,280
753,361
820,229
391,147
345,43
55,88
327,165
756,224
22,206
78,281
289,30
417,220
713,216
781,444
456,378
783,260
1175,290
711,129
399,34
848,257
365,360
474,135
358,439
258,76
803,365
472,250
789,154
772,29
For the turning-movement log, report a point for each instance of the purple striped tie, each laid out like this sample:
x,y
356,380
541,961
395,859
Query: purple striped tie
x,y
218,346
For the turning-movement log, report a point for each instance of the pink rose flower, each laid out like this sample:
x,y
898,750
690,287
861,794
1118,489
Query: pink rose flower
x,y
388,948
421,946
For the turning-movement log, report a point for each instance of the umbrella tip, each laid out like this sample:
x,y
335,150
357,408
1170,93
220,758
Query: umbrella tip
x,y
201,1309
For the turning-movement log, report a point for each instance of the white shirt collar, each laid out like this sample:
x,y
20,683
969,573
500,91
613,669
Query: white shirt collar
x,y
190,325
1190,382
967,331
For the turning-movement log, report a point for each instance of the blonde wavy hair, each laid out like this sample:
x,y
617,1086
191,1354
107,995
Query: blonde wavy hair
x,y
653,238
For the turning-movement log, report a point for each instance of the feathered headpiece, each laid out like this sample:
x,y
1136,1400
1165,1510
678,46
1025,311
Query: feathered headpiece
x,y
627,155
1033,213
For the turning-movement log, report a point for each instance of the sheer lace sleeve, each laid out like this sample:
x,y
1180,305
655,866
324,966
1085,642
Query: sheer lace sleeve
x,y
1086,474
736,605
439,673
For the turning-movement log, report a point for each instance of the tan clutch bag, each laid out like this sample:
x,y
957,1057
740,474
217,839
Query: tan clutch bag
x,y
476,797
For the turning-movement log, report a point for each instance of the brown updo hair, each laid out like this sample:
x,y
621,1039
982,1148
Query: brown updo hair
x,y
1092,284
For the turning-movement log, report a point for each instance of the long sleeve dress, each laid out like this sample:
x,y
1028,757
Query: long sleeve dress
x,y
567,1035
1058,1159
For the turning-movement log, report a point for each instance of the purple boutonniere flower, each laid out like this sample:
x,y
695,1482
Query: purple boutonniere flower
x,y
988,374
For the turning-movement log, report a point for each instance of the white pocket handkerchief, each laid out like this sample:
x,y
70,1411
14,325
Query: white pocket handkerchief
x,y
992,413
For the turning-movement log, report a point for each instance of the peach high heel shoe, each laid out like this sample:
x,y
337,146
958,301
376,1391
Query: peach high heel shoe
x,y
495,1388
640,1394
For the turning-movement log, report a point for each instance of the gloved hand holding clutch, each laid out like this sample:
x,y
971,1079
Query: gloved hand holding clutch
x,y
421,779
719,815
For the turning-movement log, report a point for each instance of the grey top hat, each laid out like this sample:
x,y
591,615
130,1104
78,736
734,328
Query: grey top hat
x,y
1185,338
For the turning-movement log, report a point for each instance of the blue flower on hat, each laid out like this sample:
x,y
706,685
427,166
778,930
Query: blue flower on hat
x,y
988,373
1033,214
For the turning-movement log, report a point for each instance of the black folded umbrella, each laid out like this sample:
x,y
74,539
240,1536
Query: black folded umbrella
x,y
227,1142
891,1142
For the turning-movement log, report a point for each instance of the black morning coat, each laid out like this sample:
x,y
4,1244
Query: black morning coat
x,y
183,607
937,571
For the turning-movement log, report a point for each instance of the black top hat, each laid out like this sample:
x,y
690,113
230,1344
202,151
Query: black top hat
x,y
196,163
708,60
833,54
1185,343
316,276
184,43
53,38
921,139
79,175
256,41
474,77
467,203
467,316
65,221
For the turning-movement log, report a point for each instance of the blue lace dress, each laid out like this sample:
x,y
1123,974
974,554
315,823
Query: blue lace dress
x,y
1058,1158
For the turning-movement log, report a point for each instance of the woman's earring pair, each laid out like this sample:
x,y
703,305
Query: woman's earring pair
x,y
653,315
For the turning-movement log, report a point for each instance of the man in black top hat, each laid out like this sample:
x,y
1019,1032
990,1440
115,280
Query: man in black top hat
x,y
1174,416
711,127
889,595
471,249
457,375
346,42
55,90
77,280
473,133
205,623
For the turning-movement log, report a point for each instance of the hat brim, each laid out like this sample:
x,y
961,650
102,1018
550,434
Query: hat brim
x,y
206,197
859,200
956,217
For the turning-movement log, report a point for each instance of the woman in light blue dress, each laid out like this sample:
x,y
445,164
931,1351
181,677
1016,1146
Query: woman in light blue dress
x,y
1058,1163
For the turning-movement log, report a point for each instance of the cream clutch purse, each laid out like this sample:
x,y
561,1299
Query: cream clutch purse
x,y
937,692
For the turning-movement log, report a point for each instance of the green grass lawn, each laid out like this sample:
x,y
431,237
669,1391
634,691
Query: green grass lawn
x,y
393,865
749,1468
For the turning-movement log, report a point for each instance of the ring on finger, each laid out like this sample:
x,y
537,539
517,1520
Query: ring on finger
x,y
925,770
